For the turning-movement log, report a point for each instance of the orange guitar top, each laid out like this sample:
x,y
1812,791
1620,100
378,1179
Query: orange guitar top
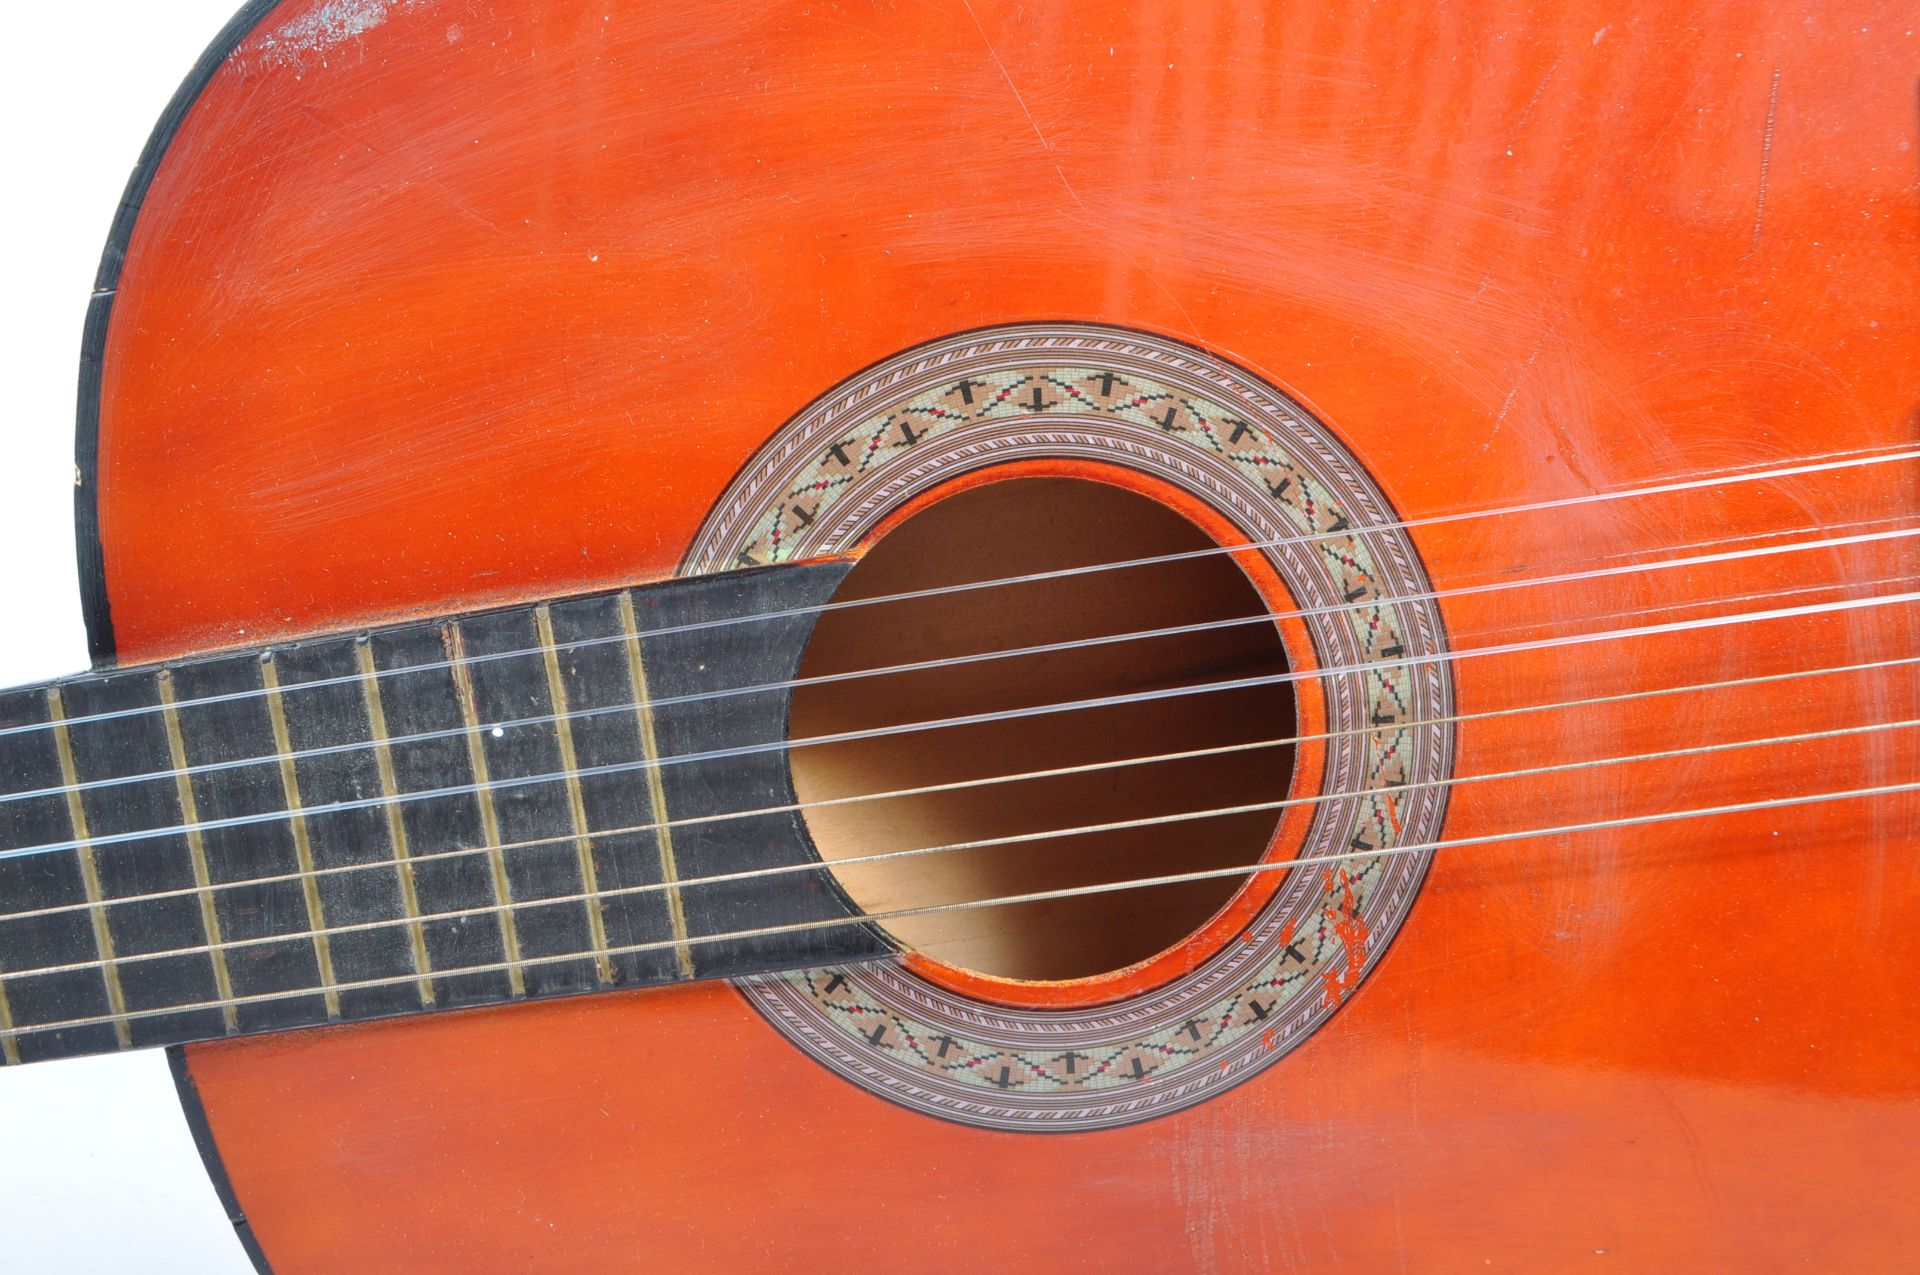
x,y
422,307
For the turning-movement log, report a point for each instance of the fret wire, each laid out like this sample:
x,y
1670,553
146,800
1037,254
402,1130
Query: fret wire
x,y
89,870
1055,834
656,786
1138,883
1849,460
1010,653
1621,697
456,640
196,849
302,842
9,1047
396,828
576,799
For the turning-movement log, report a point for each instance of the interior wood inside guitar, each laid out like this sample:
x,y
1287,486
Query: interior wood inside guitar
x,y
1014,527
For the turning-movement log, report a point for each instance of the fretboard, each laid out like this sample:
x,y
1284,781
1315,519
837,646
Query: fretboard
x,y
470,811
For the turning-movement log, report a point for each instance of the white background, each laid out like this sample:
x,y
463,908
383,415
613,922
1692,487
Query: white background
x,y
97,1170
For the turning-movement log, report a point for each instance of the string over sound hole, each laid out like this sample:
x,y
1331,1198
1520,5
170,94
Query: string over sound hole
x,y
1040,525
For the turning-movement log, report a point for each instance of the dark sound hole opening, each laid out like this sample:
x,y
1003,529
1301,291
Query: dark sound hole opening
x,y
1014,527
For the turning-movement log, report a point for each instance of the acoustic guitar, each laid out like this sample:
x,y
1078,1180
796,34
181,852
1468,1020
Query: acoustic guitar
x,y
1002,636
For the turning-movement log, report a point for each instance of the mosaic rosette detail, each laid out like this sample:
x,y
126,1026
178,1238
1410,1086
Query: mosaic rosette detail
x,y
1291,486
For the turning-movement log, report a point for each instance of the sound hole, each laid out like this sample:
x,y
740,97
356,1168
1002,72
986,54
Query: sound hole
x,y
1015,527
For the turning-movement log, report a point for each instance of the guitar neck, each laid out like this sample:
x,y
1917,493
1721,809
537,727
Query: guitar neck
x,y
465,811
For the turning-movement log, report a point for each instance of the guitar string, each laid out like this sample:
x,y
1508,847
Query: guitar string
x,y
1291,676
1835,525
1006,653
1864,458
798,807
1852,584
1039,896
984,843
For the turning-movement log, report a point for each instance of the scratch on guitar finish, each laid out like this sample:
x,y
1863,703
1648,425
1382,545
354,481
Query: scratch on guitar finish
x,y
307,41
1338,982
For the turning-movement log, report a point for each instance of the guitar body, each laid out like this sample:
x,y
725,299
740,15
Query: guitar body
x,y
426,306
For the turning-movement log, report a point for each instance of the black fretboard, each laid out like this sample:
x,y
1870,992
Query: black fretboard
x,y
367,825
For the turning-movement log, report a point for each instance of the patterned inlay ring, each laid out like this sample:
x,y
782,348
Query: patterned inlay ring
x,y
1185,417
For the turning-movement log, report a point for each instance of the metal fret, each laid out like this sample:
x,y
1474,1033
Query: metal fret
x,y
9,1047
656,784
586,632
483,798
302,840
197,850
177,844
684,661
557,694
105,745
224,715
89,868
326,721
396,826
507,682
427,754
29,763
